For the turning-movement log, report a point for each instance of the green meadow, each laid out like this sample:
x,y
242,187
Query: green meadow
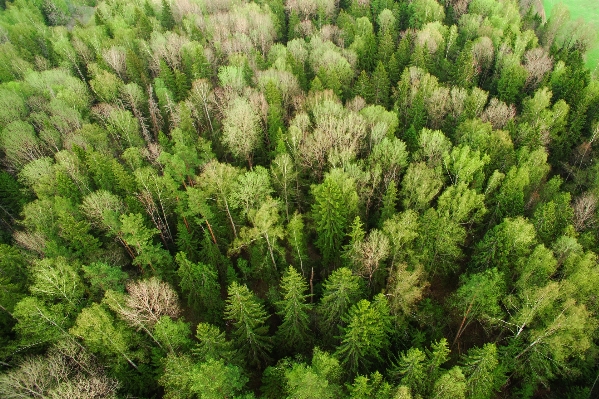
x,y
589,11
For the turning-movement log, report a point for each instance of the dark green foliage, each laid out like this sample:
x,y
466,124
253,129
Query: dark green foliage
x,y
200,284
294,332
249,329
166,15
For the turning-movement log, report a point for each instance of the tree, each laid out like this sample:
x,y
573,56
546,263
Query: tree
x,y
450,385
335,202
481,368
166,16
380,85
370,388
365,335
138,241
296,238
341,291
54,279
212,344
249,329
200,283
419,186
265,227
294,332
479,298
102,335
212,379
241,129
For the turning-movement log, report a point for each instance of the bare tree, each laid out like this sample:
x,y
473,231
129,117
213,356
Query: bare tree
x,y
498,113
148,301
584,211
537,63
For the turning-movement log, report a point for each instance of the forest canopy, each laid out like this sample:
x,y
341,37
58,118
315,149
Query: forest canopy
x,y
382,199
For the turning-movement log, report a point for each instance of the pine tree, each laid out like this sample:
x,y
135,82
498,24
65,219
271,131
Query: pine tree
x,y
295,330
483,376
212,344
363,87
335,200
249,329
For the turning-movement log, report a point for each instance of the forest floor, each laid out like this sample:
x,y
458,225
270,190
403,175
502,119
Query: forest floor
x,y
587,10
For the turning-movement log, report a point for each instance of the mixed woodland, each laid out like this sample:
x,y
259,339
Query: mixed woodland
x,y
361,199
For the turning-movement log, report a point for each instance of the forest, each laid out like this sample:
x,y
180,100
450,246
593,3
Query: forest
x,y
307,199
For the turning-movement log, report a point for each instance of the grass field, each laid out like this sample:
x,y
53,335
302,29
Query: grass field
x,y
589,11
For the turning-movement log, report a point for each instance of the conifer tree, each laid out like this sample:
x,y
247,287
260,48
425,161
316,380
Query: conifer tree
x,y
366,333
167,20
380,85
295,330
249,329
341,290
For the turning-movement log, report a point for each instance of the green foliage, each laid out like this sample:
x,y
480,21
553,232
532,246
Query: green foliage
x,y
249,329
340,292
377,175
365,334
200,284
335,202
294,332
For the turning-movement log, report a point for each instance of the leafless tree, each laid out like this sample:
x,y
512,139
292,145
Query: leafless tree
x,y
537,63
147,301
498,113
115,57
584,211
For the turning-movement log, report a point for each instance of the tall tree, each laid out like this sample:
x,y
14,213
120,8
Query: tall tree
x,y
249,329
294,332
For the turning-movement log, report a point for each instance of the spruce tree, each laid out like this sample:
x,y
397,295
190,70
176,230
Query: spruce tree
x,y
295,330
248,318
366,334
340,291
167,20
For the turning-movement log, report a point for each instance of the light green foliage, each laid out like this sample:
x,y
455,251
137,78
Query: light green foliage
x,y
319,380
175,336
294,309
211,379
249,329
138,239
419,186
98,330
56,280
265,229
424,11
479,298
241,130
451,385
370,388
365,335
505,244
296,239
